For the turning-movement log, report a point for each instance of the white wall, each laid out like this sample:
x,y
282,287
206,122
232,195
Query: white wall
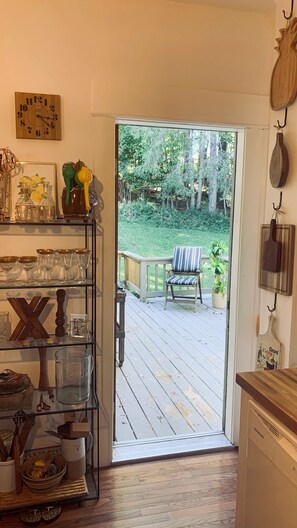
x,y
129,58
285,326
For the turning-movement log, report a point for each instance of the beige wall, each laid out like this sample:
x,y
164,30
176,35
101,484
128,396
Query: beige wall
x,y
129,58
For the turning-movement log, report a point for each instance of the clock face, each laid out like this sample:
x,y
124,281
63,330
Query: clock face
x,y
38,116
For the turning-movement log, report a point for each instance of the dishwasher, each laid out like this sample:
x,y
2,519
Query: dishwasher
x,y
271,478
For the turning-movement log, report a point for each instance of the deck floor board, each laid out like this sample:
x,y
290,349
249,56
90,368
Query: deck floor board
x,y
172,379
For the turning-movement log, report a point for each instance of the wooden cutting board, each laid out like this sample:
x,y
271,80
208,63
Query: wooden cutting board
x,y
268,349
272,251
283,87
279,164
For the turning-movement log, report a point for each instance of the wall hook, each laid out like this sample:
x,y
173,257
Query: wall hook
x,y
279,126
291,14
274,306
277,207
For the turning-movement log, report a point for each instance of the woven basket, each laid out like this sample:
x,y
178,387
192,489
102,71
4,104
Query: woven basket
x,y
41,485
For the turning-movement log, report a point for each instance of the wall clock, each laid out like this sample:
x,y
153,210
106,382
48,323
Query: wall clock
x,y
38,116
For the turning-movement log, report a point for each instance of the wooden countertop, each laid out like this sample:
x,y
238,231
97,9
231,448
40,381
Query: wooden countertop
x,y
275,390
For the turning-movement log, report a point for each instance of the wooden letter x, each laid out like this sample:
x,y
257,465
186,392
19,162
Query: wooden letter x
x,y
28,314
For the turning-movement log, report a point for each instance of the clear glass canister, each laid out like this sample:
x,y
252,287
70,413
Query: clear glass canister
x,y
74,366
23,206
47,206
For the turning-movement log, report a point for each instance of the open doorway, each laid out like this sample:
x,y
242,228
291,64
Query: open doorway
x,y
175,188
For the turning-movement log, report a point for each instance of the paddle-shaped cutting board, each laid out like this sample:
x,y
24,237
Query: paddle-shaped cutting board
x,y
279,164
272,251
268,348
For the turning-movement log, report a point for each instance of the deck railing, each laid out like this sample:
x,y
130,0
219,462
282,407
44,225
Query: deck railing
x,y
146,275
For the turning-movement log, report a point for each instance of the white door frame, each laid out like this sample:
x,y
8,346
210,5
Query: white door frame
x,y
245,182
249,206
252,156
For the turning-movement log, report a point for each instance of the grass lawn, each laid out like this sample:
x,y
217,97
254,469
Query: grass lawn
x,y
148,241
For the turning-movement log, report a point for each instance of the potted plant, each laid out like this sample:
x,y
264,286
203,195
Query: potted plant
x,y
218,267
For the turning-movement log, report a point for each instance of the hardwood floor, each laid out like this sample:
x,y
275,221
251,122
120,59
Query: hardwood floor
x,y
172,379
187,492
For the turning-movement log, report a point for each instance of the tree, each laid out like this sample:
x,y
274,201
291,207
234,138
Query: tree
x,y
176,167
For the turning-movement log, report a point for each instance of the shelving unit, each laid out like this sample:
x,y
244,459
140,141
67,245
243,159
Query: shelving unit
x,y
86,488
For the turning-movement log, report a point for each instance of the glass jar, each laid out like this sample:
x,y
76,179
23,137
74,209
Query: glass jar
x,y
47,205
23,206
73,368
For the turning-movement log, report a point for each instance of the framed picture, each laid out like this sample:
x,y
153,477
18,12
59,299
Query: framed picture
x,y
282,281
34,174
79,326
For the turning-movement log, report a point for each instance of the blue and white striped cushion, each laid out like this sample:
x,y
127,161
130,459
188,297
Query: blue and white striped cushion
x,y
185,281
186,258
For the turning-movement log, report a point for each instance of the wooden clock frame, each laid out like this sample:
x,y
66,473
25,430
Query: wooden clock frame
x,y
38,116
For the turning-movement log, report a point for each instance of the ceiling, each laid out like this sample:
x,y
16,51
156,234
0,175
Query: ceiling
x,y
260,6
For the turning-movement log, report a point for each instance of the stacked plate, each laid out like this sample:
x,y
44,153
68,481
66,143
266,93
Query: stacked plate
x,y
57,466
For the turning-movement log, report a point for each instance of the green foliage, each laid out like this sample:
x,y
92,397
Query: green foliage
x,y
218,266
150,213
174,167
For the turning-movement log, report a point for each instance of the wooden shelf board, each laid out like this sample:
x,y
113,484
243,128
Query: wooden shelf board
x,y
66,490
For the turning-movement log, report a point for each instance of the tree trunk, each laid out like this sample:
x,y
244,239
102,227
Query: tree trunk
x,y
189,167
212,181
203,142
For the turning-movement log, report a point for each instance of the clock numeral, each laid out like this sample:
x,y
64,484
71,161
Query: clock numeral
x,y
37,99
52,107
20,114
38,133
22,123
23,108
46,131
29,101
55,117
29,128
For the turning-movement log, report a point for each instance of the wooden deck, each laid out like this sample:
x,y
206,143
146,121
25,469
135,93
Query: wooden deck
x,y
172,379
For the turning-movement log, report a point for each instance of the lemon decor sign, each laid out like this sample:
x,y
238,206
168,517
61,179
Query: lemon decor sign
x,y
34,176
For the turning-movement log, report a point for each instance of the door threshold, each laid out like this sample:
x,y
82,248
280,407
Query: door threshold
x,y
140,451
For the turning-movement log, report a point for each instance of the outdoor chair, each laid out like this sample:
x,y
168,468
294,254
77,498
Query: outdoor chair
x,y
185,272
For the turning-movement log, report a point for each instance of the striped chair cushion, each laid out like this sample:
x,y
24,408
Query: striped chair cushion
x,y
184,281
186,258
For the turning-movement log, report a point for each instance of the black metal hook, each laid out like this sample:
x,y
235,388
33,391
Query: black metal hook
x,y
277,207
279,126
291,14
274,306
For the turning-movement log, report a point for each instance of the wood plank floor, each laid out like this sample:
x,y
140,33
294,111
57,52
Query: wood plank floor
x,y
187,492
172,379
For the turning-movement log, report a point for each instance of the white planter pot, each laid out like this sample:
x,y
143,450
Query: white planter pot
x,y
218,300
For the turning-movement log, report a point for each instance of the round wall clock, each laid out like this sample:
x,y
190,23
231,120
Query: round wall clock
x,y
38,116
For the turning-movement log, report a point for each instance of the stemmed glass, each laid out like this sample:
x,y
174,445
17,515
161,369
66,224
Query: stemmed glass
x,y
66,261
46,261
28,264
83,257
6,264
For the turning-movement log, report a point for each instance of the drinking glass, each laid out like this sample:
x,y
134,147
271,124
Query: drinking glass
x,y
66,256
46,261
83,260
6,264
28,264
